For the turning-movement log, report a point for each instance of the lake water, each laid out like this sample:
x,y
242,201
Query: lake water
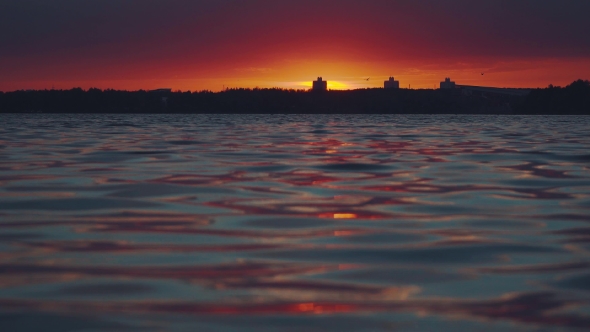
x,y
294,223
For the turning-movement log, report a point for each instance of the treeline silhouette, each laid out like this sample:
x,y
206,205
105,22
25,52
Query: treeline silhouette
x,y
573,99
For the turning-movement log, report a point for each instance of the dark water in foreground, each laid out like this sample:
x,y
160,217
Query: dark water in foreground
x,y
294,223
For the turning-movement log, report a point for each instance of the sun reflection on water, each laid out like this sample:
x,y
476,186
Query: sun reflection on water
x,y
335,222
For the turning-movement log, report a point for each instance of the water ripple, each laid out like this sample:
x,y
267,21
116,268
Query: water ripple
x,y
265,223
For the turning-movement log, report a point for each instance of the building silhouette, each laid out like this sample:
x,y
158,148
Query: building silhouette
x,y
447,84
391,84
320,85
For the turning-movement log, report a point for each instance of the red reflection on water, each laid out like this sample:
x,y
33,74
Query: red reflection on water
x,y
202,180
453,237
49,164
298,210
124,247
102,169
544,309
4,180
299,178
536,169
254,309
204,273
389,146
422,186
307,286
540,268
324,143
180,228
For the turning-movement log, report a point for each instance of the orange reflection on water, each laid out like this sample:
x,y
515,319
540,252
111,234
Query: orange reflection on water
x,y
345,216
542,309
320,309
268,219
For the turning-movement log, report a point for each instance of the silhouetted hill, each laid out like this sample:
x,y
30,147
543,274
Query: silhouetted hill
x,y
573,99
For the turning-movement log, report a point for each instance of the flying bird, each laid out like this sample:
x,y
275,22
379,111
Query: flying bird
x,y
481,74
368,79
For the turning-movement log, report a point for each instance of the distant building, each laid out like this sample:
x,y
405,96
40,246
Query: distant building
x,y
391,84
320,85
447,84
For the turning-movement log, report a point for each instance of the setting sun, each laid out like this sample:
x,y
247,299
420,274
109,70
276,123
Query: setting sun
x,y
332,85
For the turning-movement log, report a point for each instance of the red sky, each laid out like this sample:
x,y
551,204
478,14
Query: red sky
x,y
209,44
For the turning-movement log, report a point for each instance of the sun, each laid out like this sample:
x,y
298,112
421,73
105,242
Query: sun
x,y
332,85
335,85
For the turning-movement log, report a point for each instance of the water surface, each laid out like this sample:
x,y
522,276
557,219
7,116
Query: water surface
x,y
291,223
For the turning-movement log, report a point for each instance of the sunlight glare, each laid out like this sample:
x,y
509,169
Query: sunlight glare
x,y
332,85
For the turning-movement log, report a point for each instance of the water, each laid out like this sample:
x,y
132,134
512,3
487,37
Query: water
x,y
294,223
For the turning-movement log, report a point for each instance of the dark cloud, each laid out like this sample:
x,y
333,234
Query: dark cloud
x,y
548,27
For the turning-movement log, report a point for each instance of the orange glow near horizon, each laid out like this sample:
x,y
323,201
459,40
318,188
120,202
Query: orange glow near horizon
x,y
340,76
332,85
192,47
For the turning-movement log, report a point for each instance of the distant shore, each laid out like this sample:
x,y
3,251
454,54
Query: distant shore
x,y
572,99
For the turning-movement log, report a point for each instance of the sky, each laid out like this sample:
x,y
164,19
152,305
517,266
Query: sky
x,y
215,44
